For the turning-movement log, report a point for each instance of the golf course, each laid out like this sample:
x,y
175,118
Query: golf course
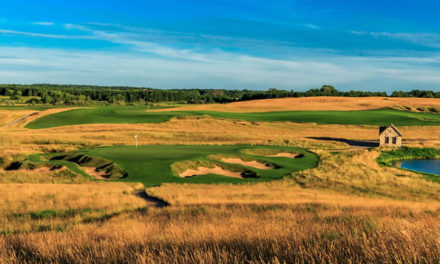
x,y
276,170
153,165
137,115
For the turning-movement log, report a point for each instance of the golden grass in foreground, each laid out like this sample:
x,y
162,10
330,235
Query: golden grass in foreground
x,y
302,233
20,204
314,103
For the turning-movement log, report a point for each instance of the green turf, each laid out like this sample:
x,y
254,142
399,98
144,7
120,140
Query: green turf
x,y
126,114
151,165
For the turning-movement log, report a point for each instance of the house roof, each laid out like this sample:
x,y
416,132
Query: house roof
x,y
382,129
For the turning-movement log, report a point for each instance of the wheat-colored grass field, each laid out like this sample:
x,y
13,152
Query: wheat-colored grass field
x,y
309,231
7,116
314,103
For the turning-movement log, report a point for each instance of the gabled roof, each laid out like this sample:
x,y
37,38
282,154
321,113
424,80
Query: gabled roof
x,y
382,129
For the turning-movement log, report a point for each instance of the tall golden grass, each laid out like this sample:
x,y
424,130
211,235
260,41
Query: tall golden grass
x,y
359,173
23,206
315,103
7,116
303,233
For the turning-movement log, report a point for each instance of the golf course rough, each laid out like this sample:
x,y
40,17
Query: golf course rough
x,y
152,164
137,115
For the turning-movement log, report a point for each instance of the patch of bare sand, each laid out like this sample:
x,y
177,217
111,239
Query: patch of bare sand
x,y
204,171
313,103
92,172
253,163
286,155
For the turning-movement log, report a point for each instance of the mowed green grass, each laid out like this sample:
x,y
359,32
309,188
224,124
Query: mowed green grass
x,y
151,165
126,114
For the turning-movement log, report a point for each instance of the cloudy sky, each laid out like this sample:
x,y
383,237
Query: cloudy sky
x,y
247,44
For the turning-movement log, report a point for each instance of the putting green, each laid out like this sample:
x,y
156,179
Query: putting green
x,y
151,165
127,114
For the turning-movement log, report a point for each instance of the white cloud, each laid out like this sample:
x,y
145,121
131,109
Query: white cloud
x,y
156,65
43,23
43,35
219,70
425,39
312,26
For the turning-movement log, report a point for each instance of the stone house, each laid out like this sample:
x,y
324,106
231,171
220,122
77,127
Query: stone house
x,y
390,136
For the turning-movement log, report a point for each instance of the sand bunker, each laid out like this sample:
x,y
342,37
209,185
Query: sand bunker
x,y
215,170
99,175
253,163
287,155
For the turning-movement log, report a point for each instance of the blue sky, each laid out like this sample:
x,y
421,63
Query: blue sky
x,y
361,45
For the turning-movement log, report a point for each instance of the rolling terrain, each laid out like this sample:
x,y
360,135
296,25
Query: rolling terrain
x,y
332,201
136,115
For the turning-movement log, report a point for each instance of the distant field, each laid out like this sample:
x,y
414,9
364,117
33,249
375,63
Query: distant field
x,y
137,115
331,103
151,165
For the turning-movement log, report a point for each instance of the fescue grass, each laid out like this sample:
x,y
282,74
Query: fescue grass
x,y
301,233
26,207
126,115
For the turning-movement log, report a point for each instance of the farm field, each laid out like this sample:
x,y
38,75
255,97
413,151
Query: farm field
x,y
124,115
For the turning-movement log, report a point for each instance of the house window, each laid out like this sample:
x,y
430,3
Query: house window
x,y
387,140
394,140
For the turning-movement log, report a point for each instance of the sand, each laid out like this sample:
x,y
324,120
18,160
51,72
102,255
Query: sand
x,y
253,164
285,155
215,170
92,172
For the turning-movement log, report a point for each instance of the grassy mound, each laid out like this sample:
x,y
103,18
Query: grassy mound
x,y
112,170
135,115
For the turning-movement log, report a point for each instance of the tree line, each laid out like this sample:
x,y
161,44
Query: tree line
x,y
87,94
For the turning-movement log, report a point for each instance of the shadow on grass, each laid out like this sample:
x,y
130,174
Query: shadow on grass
x,y
352,143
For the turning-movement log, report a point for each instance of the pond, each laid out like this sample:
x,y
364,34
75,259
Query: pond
x,y
429,165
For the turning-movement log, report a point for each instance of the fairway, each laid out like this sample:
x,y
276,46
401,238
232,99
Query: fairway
x,y
137,115
151,165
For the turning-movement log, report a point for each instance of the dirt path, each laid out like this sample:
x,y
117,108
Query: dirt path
x,y
21,119
152,201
